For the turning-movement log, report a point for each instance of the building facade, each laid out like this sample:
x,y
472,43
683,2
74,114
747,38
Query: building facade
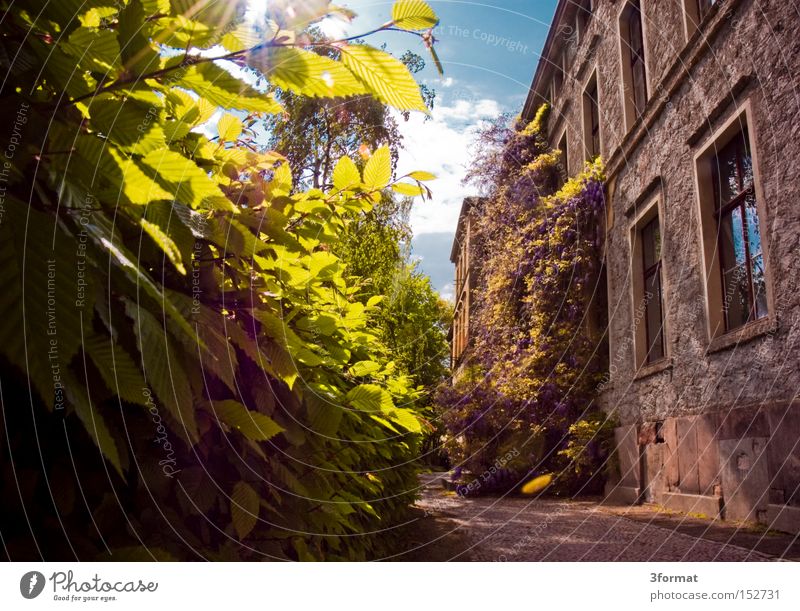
x,y
462,255
694,105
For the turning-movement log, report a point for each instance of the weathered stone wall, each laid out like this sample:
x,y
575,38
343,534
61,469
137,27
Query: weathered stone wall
x,y
726,434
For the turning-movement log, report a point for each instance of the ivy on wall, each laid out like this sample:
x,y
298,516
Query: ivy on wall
x,y
537,327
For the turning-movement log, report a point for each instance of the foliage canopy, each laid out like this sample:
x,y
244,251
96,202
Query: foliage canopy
x,y
182,303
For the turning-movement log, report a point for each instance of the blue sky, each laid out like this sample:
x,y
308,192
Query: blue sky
x,y
489,51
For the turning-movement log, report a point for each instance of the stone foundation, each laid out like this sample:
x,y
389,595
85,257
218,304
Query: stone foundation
x,y
742,464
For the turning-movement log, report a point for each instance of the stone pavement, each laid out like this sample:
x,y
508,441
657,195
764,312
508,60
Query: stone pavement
x,y
529,529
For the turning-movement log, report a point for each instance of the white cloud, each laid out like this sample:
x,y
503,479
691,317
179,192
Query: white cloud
x,y
448,292
443,145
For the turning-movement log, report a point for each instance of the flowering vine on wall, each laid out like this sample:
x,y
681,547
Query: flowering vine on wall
x,y
538,324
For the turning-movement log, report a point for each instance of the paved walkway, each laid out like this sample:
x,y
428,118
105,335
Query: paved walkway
x,y
522,529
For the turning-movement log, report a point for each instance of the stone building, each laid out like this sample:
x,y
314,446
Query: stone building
x,y
463,258
694,105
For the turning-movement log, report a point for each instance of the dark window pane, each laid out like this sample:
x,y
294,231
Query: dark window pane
x,y
703,6
726,179
731,240
737,296
655,323
636,48
594,120
746,162
639,87
753,228
651,244
759,287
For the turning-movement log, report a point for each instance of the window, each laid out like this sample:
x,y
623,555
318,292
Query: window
x,y
563,161
648,285
591,119
732,216
637,58
653,298
741,257
703,7
694,13
583,17
634,71
558,79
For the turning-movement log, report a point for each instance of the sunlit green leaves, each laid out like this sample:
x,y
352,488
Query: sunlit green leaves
x,y
364,368
378,171
229,127
370,398
188,183
253,425
386,77
346,175
217,315
307,73
413,15
219,87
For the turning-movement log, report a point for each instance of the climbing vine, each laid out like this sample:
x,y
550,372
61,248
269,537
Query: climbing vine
x,y
536,355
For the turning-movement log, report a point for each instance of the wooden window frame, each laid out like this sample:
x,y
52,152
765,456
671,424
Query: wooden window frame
x,y
563,146
629,60
694,13
584,13
724,209
741,120
592,132
652,210
647,273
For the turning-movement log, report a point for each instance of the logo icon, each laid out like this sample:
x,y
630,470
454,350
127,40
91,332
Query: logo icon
x,y
31,584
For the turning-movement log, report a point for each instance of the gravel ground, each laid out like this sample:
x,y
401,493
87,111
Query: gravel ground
x,y
521,529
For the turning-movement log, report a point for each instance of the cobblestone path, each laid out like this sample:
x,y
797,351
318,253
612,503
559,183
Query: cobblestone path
x,y
520,529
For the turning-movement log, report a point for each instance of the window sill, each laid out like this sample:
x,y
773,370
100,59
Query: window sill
x,y
742,335
652,369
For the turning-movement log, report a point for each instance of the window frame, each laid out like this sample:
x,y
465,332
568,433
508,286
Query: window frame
x,y
694,15
583,17
724,209
740,120
652,210
564,157
647,273
591,111
628,61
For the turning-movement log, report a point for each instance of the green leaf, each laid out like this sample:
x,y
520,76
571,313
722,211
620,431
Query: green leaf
x,y
307,73
370,398
96,47
405,418
384,76
378,171
244,37
229,128
219,87
413,15
245,504
163,370
165,243
346,175
93,422
422,176
253,425
404,188
324,410
117,368
190,185
364,368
